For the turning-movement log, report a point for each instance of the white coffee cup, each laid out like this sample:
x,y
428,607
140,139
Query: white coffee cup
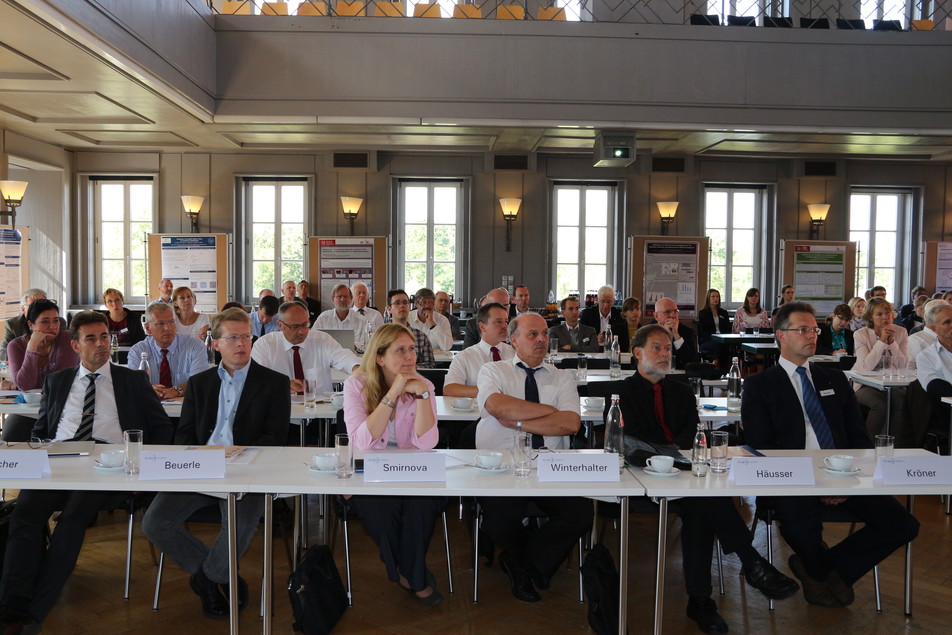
x,y
839,462
33,396
337,400
463,403
489,460
594,403
661,463
326,462
113,458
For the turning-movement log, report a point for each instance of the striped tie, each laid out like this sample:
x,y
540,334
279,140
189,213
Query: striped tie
x,y
85,431
811,403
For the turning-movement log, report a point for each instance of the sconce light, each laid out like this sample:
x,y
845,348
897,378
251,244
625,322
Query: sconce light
x,y
510,209
351,205
192,205
818,212
12,193
667,209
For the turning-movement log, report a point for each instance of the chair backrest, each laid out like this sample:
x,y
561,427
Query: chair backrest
x,y
435,375
850,24
555,14
778,23
741,20
508,12
467,11
274,8
700,19
350,8
389,10
921,25
702,370
312,8
426,11
887,25
236,7
814,23
467,438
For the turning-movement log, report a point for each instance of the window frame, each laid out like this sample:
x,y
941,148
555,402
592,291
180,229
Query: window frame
x,y
614,238
908,237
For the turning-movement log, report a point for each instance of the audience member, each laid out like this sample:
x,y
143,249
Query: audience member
x,y
471,332
361,299
262,320
520,301
710,320
287,291
751,314
631,311
263,293
313,306
787,295
921,340
165,292
445,308
607,315
493,322
685,341
877,292
173,358
836,338
340,317
858,306
16,326
572,335
934,362
399,304
425,319
947,296
188,320
907,312
919,306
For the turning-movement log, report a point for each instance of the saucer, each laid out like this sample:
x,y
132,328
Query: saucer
x,y
652,472
464,410
832,472
99,467
493,470
314,470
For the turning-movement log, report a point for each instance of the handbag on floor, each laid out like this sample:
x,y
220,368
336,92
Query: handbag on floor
x,y
600,580
318,598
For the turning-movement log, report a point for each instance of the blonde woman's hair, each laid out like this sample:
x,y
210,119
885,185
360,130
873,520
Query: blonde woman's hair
x,y
110,291
374,385
179,291
871,306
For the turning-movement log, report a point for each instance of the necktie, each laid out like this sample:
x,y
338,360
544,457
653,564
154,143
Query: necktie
x,y
165,370
494,352
85,430
532,394
298,367
361,311
811,402
659,414
573,335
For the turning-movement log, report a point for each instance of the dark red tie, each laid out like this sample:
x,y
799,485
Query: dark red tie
x,y
495,353
298,367
659,414
165,371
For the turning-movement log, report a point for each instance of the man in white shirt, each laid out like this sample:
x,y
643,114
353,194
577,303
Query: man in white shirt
x,y
172,358
425,319
934,363
525,395
340,317
444,307
299,353
165,292
361,298
493,323
925,338
287,290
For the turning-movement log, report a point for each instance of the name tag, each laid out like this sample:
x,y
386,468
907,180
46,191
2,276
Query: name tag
x,y
24,463
404,467
781,470
590,467
182,464
919,470
828,392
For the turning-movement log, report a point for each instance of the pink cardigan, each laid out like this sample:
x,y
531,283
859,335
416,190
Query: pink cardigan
x,y
869,349
25,368
355,416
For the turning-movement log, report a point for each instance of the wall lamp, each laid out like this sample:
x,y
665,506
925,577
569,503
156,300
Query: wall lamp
x,y
818,212
510,209
12,193
192,205
351,205
667,209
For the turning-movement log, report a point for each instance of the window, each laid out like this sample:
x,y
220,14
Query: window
x,y
583,244
430,241
871,10
278,232
732,220
877,225
125,215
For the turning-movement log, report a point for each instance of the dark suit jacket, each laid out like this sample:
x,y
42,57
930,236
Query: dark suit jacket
x,y
688,353
637,408
590,317
705,323
773,417
262,417
824,343
137,404
454,325
471,335
561,334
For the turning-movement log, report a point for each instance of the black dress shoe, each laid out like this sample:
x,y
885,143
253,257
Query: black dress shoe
x,y
704,612
214,604
840,590
764,577
542,582
814,591
242,593
519,579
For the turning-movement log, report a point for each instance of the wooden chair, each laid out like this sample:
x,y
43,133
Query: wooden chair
x,y
468,11
350,8
385,9
510,12
274,8
426,11
236,7
552,14
921,25
312,8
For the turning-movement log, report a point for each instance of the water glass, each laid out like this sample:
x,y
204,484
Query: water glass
x,y
582,367
885,444
899,367
133,441
522,454
756,331
719,451
553,349
345,456
310,393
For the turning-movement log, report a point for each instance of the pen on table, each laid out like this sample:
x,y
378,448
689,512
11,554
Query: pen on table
x,y
52,455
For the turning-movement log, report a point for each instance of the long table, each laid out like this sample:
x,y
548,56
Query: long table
x,y
879,382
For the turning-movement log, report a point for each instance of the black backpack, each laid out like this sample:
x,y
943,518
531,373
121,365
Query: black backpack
x,y
318,598
600,579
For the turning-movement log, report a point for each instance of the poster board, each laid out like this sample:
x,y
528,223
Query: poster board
x,y
346,260
937,270
672,266
196,261
14,269
823,272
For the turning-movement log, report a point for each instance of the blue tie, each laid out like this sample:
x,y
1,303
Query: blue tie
x,y
532,394
815,411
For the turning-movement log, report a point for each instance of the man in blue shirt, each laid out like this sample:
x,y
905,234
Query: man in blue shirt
x,y
262,320
172,358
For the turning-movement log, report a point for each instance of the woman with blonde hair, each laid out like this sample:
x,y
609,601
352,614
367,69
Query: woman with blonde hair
x,y
188,321
123,323
387,405
858,306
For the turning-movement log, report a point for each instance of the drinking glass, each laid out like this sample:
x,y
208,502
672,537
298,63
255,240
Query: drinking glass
x,y
719,451
756,330
345,456
885,443
310,393
582,367
522,454
133,441
553,349
899,367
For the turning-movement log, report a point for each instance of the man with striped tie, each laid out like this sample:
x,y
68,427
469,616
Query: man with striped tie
x,y
95,401
795,405
492,320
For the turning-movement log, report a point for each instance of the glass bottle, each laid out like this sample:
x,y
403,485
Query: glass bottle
x,y
734,387
615,431
614,356
209,350
700,453
144,365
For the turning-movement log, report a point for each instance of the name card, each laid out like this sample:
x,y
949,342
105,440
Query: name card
x,y
404,467
593,467
24,463
914,470
780,470
181,464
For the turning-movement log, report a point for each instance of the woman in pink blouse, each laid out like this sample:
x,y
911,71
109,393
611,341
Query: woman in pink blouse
x,y
751,314
387,405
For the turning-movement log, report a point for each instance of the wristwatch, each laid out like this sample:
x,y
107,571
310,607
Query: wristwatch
x,y
518,426
180,391
423,395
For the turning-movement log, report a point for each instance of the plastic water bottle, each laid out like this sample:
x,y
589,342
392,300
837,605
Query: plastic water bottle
x,y
614,356
114,347
733,387
209,350
144,365
700,453
615,432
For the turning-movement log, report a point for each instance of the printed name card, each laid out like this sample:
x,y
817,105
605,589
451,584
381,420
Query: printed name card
x,y
404,467
914,470
181,464
592,467
24,463
779,470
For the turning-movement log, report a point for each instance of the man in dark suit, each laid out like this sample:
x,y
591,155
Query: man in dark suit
x,y
445,308
471,334
238,403
605,315
571,335
662,411
685,340
795,405
93,401
520,301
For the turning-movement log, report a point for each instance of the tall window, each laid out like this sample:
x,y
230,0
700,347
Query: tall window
x,y
430,241
871,10
878,226
732,220
583,244
278,232
125,214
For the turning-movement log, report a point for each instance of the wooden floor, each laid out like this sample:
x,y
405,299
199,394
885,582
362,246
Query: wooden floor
x,y
92,601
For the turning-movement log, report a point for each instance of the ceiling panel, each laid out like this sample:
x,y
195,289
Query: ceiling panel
x,y
15,65
131,138
55,107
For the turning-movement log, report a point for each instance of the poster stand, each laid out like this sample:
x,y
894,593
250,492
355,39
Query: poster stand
x,y
670,266
823,272
196,261
346,260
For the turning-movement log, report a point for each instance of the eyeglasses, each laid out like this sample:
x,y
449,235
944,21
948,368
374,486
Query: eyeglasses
x,y
668,312
295,327
804,330
400,303
234,339
164,324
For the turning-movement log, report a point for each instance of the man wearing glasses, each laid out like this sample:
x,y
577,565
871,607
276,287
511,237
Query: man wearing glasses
x,y
299,353
795,405
685,341
172,358
239,402
340,317
432,323
399,304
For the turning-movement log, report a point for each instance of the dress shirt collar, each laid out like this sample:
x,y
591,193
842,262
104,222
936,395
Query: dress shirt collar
x,y
103,371
484,346
791,369
287,345
239,375
171,348
515,361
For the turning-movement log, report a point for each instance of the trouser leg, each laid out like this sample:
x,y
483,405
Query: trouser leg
x,y
164,525
802,530
887,526
248,512
418,517
567,519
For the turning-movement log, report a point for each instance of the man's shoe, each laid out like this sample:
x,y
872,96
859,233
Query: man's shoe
x,y
814,591
242,593
840,590
704,612
519,579
764,577
540,581
214,604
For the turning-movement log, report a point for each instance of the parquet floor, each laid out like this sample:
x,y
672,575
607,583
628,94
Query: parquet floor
x,y
92,601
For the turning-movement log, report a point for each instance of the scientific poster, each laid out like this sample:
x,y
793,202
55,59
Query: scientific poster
x,y
943,267
11,241
819,275
345,261
190,261
671,270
